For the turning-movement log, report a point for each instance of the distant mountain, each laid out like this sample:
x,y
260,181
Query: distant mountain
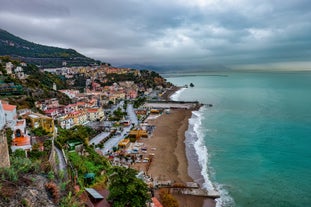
x,y
40,55
178,68
141,67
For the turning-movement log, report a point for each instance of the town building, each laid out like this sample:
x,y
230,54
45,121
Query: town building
x,y
39,120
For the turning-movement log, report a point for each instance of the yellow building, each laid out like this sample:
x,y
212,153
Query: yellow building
x,y
137,134
124,143
39,120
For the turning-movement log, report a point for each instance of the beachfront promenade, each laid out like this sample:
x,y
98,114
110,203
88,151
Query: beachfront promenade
x,y
112,142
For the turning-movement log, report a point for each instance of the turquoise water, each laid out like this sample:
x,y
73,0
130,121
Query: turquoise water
x,y
254,144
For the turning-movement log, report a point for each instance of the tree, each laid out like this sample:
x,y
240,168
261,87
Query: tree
x,y
125,189
40,132
139,101
9,133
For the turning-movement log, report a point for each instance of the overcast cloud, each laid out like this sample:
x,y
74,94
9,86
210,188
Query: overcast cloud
x,y
233,33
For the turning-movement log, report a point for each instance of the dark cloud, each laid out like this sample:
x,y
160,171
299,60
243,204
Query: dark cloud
x,y
177,32
34,8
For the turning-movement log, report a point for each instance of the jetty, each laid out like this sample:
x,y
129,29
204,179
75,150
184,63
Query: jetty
x,y
199,192
172,104
189,188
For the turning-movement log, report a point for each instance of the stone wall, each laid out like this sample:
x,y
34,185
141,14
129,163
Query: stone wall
x,y
4,151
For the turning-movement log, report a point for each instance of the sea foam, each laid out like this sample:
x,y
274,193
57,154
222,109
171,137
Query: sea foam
x,y
195,124
176,95
195,139
198,133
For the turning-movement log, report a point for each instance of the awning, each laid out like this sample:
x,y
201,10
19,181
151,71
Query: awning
x,y
94,193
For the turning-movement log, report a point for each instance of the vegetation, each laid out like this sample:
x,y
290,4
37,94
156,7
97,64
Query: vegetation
x,y
139,101
91,163
167,199
9,133
20,165
146,79
118,114
36,153
77,133
69,200
39,132
53,190
45,56
125,189
37,86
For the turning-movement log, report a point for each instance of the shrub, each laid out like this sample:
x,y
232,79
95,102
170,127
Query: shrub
x,y
167,199
52,189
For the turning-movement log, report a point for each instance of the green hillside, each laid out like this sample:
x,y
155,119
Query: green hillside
x,y
43,56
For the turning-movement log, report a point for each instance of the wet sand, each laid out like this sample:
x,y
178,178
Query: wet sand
x,y
170,161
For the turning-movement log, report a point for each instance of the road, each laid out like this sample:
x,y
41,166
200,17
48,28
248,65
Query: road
x,y
109,144
62,166
131,114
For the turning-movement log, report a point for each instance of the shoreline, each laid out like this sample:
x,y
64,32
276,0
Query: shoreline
x,y
194,170
171,160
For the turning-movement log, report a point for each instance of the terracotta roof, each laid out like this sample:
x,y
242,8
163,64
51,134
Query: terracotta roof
x,y
92,110
21,141
156,202
50,111
8,107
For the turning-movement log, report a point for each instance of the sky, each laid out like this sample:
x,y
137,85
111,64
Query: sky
x,y
237,34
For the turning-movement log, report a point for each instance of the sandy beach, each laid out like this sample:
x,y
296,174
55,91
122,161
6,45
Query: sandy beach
x,y
170,161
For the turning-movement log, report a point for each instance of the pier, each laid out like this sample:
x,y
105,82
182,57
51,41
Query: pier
x,y
190,188
173,104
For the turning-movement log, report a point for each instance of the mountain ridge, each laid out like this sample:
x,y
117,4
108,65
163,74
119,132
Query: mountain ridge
x,y
40,55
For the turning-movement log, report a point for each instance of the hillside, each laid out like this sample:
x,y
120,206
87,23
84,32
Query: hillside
x,y
37,86
41,55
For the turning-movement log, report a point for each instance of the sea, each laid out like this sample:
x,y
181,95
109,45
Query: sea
x,y
253,144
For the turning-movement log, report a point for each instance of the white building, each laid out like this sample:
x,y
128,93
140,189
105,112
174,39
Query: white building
x,y
9,68
19,73
2,116
9,114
